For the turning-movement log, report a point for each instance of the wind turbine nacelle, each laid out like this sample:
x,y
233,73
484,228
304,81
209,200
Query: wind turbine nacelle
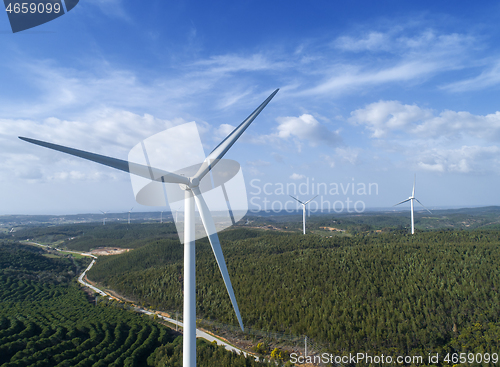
x,y
179,150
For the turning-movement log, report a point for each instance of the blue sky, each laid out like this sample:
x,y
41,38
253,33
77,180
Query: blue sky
x,y
370,93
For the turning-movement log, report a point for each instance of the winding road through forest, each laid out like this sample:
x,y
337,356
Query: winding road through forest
x,y
199,333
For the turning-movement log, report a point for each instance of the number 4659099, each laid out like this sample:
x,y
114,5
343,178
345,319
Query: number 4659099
x,y
33,8
454,358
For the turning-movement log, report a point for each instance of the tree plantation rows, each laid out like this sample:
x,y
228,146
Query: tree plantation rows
x,y
23,262
50,322
384,293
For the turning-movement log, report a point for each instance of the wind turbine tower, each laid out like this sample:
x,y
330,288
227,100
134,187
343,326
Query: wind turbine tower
x,y
104,218
304,211
192,196
129,214
411,199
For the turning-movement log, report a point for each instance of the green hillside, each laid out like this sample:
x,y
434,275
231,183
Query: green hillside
x,y
434,291
47,320
87,236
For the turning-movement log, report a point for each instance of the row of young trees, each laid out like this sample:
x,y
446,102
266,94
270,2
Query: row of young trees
x,y
53,324
380,293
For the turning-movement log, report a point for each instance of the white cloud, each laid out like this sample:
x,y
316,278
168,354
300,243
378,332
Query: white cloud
x,y
108,131
254,171
451,124
64,89
463,160
396,41
315,70
345,154
329,160
223,131
296,176
436,167
297,131
306,127
348,154
346,79
230,63
232,98
383,117
446,142
372,42
407,58
386,117
112,8
486,79
258,163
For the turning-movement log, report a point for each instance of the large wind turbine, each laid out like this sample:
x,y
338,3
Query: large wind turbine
x,y
304,211
192,195
410,199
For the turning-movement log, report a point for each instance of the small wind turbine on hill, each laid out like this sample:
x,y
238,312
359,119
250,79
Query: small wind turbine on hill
x,y
410,199
129,214
304,211
104,219
192,186
176,214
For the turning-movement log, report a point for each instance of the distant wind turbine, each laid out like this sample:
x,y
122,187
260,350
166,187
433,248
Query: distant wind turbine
x,y
161,217
104,219
176,213
129,214
192,196
410,199
304,211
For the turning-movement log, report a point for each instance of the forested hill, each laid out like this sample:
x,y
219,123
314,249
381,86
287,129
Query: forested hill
x,y
385,220
432,291
86,236
46,320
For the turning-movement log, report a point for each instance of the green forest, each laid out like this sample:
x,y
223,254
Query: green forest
x,y
87,236
47,320
391,292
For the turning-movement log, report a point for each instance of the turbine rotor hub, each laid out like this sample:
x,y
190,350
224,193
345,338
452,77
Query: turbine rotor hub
x,y
194,182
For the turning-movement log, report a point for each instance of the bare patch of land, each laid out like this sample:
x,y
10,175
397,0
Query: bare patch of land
x,y
103,251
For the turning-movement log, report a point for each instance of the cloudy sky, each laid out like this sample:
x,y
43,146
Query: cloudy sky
x,y
371,94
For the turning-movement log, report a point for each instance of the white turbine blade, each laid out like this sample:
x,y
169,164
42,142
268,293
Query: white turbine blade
x,y
137,169
296,199
228,142
308,201
401,202
414,179
209,225
423,206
